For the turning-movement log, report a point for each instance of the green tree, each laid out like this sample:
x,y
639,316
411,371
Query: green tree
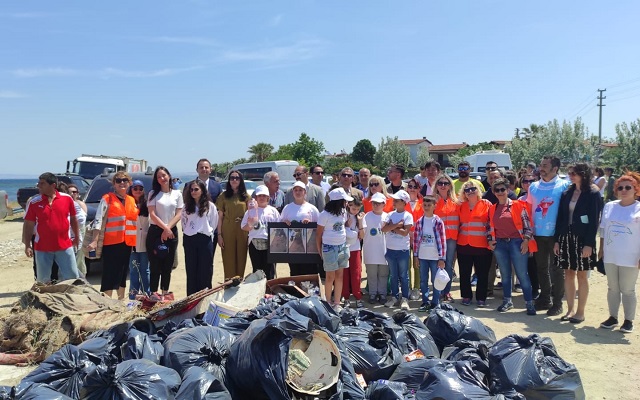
x,y
284,152
455,159
626,155
305,150
260,151
363,151
391,151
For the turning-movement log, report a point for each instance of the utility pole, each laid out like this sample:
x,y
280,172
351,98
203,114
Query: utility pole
x,y
601,97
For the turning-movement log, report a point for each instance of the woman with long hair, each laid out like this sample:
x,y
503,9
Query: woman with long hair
x,y
621,251
377,185
415,208
232,204
447,208
139,260
199,221
165,207
575,238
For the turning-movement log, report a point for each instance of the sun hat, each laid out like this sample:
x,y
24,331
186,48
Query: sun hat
x,y
261,190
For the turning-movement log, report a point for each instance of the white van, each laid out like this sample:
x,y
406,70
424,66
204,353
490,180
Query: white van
x,y
255,171
479,160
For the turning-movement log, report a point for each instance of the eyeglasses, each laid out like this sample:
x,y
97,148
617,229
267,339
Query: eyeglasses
x,y
234,178
444,183
121,180
318,172
297,174
412,187
499,190
492,168
347,175
627,187
73,191
573,173
137,188
463,168
471,189
372,184
528,181
194,189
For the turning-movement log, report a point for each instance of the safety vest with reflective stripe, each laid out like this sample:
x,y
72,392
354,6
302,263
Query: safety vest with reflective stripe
x,y
516,214
120,220
448,211
474,224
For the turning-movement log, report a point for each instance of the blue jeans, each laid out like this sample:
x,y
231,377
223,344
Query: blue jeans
x,y
508,253
448,263
426,267
139,273
398,261
66,260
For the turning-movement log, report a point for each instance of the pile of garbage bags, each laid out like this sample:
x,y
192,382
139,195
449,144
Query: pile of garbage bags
x,y
289,348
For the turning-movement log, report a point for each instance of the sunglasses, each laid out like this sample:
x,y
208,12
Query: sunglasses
x,y
121,180
573,173
137,188
234,178
627,187
372,184
194,189
528,181
73,191
470,189
412,187
492,168
347,175
499,190
297,174
463,168
444,183
318,172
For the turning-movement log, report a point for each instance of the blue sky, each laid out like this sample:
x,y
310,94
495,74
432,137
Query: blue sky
x,y
173,81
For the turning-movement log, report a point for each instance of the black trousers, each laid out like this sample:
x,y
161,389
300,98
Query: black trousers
x,y
160,268
466,263
115,266
532,271
550,276
198,261
259,261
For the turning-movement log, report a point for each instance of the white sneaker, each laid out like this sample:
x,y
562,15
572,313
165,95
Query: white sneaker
x,y
415,294
404,304
391,302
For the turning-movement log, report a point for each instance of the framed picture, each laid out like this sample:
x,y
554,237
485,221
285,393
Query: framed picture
x,y
295,243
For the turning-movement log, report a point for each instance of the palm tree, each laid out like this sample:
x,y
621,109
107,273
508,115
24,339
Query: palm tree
x,y
260,151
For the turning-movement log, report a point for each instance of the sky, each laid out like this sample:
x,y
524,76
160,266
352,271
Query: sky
x,y
173,81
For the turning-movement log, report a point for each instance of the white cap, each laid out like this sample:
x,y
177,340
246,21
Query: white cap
x,y
339,194
300,185
261,190
441,280
402,195
378,198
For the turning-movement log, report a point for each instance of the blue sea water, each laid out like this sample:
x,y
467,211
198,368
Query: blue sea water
x,y
11,186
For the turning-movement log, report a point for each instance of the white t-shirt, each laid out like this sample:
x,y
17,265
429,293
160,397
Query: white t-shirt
x,y
394,240
334,232
293,212
374,243
267,214
428,249
422,180
193,224
620,229
352,234
166,205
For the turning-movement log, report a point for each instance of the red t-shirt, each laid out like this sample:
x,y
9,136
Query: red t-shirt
x,y
52,221
503,223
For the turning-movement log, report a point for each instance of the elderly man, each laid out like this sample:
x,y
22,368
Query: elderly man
x,y
317,175
432,169
276,196
396,173
345,181
314,193
363,185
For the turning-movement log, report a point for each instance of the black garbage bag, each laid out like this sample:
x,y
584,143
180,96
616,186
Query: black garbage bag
x,y
448,325
531,365
451,380
371,350
131,380
267,305
170,327
116,336
38,391
199,384
416,336
202,346
99,350
348,387
318,310
6,393
349,317
383,321
63,371
234,325
386,390
140,346
257,363
477,353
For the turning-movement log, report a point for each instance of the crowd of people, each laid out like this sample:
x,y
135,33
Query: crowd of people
x,y
537,229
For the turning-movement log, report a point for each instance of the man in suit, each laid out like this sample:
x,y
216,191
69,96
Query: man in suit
x,y
346,182
315,194
214,188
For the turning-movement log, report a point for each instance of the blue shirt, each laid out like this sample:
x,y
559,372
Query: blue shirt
x,y
544,198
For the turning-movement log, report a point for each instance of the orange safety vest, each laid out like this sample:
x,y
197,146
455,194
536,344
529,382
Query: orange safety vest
x,y
473,224
449,214
366,204
120,220
516,211
417,213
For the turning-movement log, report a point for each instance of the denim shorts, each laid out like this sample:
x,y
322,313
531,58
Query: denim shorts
x,y
335,257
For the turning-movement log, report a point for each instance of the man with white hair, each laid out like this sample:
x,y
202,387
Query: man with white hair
x,y
276,196
314,194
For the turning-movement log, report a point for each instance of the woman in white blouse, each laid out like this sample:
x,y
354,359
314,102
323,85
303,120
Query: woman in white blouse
x,y
199,220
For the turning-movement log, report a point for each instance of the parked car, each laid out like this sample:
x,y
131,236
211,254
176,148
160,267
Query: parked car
x,y
83,186
249,185
4,204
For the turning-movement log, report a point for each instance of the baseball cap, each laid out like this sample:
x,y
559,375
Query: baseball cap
x,y
402,195
339,194
378,198
300,185
137,182
261,190
441,280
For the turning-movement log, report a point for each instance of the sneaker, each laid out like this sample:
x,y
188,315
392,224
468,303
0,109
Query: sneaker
x,y
359,304
531,308
498,285
383,299
347,304
481,304
447,298
391,302
466,301
337,308
415,294
609,323
372,299
505,306
554,310
474,280
404,304
627,326
490,296
518,288
424,307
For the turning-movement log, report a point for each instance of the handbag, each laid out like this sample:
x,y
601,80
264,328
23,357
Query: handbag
x,y
260,244
88,238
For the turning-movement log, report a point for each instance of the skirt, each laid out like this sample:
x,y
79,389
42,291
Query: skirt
x,y
571,254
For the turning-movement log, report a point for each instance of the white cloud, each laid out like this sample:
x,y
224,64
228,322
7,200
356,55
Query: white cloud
x,y
275,21
37,72
8,94
115,72
299,51
194,40
107,72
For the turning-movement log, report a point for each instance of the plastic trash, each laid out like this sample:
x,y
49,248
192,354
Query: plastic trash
x,y
198,384
203,346
386,390
531,365
38,391
417,336
235,325
451,380
131,380
348,387
6,393
448,325
63,371
318,310
441,279
140,346
99,350
477,353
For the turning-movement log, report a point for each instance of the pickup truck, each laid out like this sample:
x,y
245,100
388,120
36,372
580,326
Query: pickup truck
x,y
25,193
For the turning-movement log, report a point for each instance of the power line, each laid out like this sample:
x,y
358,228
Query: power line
x,y
589,110
625,98
582,105
580,110
624,83
631,89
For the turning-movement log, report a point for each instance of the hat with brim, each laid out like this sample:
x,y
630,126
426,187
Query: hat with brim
x,y
261,190
378,198
339,194
402,195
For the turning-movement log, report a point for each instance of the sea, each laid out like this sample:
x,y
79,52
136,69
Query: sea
x,y
11,186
